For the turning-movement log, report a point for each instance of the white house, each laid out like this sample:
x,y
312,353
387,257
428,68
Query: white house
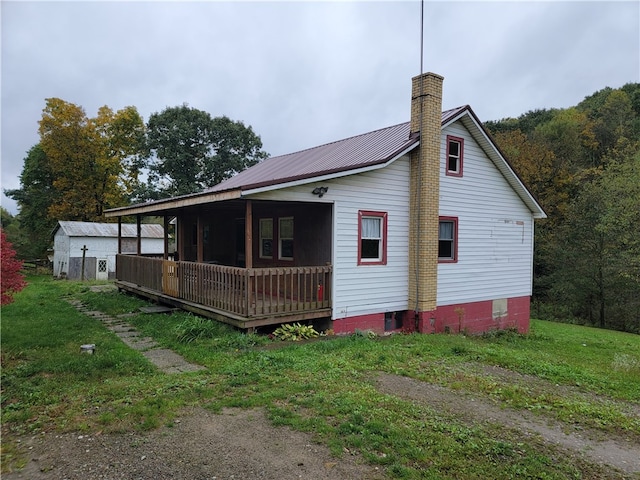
x,y
419,226
96,244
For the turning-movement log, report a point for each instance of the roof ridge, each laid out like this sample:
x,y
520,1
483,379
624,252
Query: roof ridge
x,y
444,114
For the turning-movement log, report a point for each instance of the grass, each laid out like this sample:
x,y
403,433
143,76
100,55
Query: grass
x,y
578,375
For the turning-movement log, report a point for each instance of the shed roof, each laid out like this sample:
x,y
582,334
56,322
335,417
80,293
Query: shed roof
x,y
95,229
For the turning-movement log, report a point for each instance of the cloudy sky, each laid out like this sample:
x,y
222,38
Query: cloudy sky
x,y
304,73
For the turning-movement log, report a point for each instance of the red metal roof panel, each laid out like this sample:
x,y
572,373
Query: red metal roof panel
x,y
351,153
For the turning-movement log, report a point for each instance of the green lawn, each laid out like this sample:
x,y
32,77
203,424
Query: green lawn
x,y
581,376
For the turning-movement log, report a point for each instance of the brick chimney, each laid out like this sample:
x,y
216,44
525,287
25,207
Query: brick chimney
x,y
426,119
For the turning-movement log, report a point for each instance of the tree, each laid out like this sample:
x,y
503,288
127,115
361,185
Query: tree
x,y
34,199
582,165
123,142
192,151
11,281
598,249
92,160
570,135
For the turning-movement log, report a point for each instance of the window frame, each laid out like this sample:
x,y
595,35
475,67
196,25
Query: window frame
x,y
281,238
454,240
460,158
382,216
262,237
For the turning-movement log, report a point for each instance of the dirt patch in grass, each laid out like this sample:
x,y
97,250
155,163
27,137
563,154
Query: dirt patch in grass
x,y
237,444
593,447
244,444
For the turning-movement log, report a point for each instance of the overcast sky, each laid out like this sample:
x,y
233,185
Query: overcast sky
x,y
305,73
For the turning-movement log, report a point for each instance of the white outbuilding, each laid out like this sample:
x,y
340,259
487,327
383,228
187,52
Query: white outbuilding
x,y
95,246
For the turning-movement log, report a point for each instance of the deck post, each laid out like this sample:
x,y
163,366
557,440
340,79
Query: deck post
x,y
200,239
180,238
248,254
248,236
119,235
166,236
139,235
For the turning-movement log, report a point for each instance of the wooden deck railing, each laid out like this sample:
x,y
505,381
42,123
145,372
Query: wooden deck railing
x,y
146,272
248,292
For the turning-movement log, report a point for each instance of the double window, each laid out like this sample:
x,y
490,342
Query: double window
x,y
372,238
285,238
448,240
455,156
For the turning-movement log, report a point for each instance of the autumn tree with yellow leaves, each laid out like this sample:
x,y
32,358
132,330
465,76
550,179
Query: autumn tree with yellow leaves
x,y
94,162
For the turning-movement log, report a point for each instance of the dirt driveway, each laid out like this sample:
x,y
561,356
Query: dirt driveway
x,y
238,444
243,444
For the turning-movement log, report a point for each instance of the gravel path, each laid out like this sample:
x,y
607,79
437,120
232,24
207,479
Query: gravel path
x,y
619,453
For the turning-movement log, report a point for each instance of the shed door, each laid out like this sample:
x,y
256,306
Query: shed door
x,y
102,272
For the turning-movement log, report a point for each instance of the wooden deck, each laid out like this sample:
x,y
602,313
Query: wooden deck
x,y
244,297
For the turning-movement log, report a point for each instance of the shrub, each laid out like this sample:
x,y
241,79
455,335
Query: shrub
x,y
12,281
294,332
195,328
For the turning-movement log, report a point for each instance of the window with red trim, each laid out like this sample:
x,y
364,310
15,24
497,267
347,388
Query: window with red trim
x,y
372,238
455,155
448,240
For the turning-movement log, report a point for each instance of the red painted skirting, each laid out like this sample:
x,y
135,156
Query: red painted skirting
x,y
472,318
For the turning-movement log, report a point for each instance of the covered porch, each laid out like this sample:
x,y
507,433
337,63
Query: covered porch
x,y
243,262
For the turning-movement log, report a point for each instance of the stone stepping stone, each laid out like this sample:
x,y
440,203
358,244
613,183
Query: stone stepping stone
x,y
166,360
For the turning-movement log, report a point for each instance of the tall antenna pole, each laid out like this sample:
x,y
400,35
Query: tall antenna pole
x,y
421,36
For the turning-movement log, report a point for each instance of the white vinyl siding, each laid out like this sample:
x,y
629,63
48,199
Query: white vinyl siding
x,y
494,231
60,253
364,289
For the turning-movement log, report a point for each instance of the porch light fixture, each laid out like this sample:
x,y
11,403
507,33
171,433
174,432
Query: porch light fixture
x,y
320,191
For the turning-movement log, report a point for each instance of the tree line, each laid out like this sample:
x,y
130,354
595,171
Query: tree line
x,y
583,165
83,166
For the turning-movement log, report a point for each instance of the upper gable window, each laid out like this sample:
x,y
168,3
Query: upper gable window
x,y
372,238
455,155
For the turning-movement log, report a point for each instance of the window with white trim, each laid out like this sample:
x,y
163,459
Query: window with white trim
x,y
372,238
448,239
285,238
455,155
266,238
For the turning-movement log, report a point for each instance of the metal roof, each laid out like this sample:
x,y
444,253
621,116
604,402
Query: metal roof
x,y
94,229
352,153
355,152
